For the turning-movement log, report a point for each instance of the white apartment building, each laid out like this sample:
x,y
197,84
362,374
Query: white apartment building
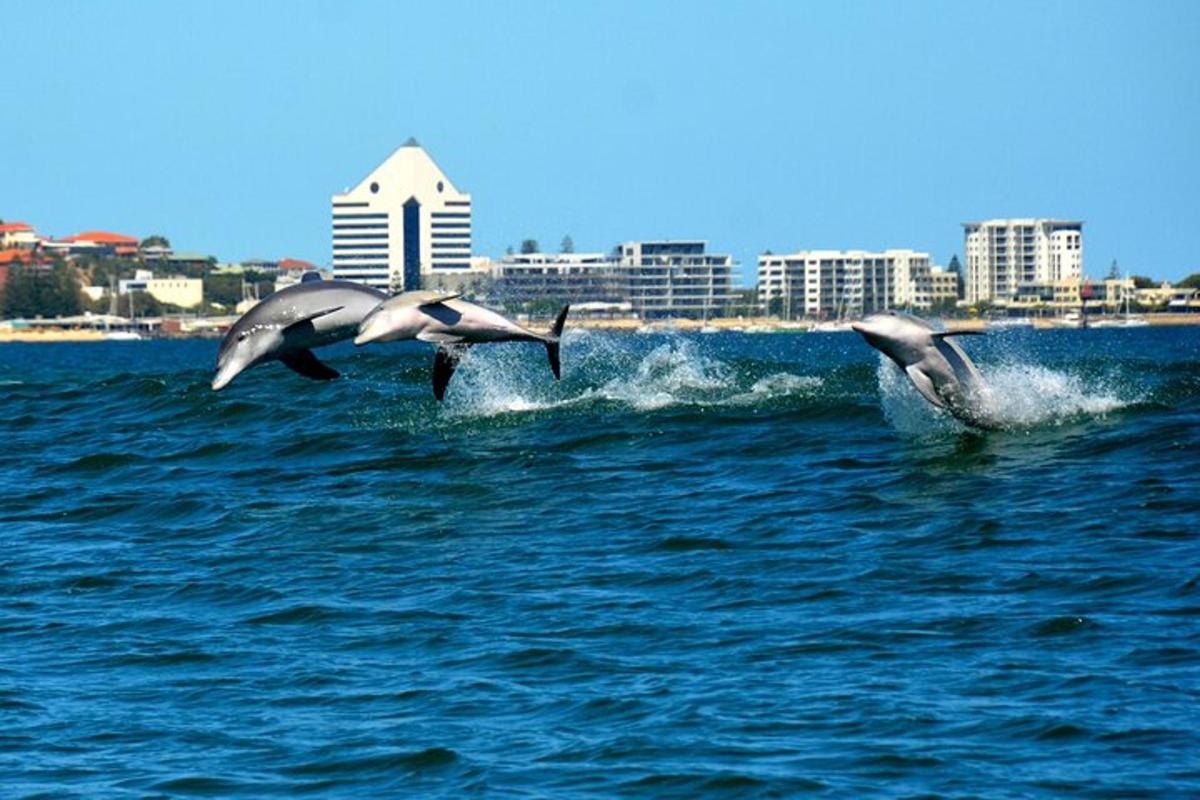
x,y
1005,254
943,285
175,291
842,283
565,277
675,278
402,224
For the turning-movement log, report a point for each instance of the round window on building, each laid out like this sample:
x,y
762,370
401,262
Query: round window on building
x,y
374,188
440,186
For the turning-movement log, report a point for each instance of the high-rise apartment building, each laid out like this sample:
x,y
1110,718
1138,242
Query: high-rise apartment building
x,y
839,283
404,222
1006,254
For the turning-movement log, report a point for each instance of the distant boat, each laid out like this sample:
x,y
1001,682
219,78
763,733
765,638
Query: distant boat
x,y
1072,319
122,336
831,327
710,329
1011,322
1126,320
1122,322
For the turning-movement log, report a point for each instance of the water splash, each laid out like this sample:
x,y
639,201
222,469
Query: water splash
x,y
604,368
1014,395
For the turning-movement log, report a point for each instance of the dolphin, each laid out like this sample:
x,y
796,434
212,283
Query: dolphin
x,y
939,369
289,323
453,324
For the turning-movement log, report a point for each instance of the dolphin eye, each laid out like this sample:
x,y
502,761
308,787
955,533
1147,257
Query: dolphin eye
x,y
242,336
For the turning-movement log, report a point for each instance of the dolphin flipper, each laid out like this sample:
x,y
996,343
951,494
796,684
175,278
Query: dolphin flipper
x,y
964,369
924,385
308,365
445,361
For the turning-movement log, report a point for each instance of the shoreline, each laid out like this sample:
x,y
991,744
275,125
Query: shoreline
x,y
749,325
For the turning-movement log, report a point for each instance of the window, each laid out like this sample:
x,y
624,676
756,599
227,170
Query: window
x,y
374,188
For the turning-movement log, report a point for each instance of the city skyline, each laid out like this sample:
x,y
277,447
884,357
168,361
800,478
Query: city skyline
x,y
771,127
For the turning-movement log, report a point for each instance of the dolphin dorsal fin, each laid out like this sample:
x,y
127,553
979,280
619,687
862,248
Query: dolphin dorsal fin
x,y
420,297
310,276
944,334
310,317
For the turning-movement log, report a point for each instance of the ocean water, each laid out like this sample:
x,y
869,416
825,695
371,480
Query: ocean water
x,y
699,566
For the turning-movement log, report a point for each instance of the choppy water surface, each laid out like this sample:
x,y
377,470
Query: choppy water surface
x,y
719,565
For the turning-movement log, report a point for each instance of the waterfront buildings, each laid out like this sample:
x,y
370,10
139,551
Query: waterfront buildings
x,y
943,286
563,277
1006,254
402,224
661,278
174,291
675,278
841,283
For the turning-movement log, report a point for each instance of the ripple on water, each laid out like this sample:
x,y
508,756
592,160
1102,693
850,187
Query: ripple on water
x,y
744,566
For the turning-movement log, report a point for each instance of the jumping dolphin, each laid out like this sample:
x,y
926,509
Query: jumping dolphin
x,y
453,325
936,366
290,322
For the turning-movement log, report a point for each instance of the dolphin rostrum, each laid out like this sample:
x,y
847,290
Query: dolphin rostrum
x,y
939,369
453,325
289,323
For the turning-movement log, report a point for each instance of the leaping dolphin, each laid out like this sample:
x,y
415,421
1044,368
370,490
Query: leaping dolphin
x,y
453,325
289,323
938,368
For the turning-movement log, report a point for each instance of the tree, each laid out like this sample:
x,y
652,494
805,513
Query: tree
x,y
956,267
35,291
529,246
1114,271
225,289
154,241
1143,282
1190,282
508,251
568,245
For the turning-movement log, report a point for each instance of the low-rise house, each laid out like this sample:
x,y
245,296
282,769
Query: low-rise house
x,y
17,236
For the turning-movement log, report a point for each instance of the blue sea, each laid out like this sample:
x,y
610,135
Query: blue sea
x,y
718,565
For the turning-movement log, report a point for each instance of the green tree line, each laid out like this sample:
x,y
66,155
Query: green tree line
x,y
41,292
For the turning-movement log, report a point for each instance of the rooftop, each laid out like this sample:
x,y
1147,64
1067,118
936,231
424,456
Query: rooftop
x,y
101,237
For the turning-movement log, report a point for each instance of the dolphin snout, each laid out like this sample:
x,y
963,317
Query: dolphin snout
x,y
857,327
371,329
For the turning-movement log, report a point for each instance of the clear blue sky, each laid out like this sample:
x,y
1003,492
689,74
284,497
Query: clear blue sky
x,y
227,126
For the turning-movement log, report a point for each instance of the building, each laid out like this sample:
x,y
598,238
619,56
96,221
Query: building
x,y
564,277
841,283
1005,254
101,243
675,278
403,223
1070,294
943,286
17,236
175,291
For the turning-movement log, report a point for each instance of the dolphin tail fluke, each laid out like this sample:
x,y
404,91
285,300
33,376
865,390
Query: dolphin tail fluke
x,y
553,339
